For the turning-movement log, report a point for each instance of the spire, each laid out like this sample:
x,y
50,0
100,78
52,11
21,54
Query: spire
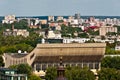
x,y
61,70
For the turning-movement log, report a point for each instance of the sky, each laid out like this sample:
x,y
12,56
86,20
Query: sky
x,y
60,7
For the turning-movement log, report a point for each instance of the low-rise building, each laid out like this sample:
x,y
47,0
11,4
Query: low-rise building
x,y
52,34
16,32
75,40
43,21
11,74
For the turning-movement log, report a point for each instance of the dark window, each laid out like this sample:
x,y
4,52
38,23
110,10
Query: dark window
x,y
96,65
90,65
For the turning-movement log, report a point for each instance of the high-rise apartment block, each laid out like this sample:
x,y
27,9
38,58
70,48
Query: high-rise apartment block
x,y
9,19
50,18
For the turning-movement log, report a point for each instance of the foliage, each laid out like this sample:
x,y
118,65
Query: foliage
x,y
108,74
92,32
44,26
110,49
13,44
34,77
1,52
103,38
15,48
71,73
83,35
22,24
24,69
111,62
77,73
1,61
111,33
68,31
51,73
13,66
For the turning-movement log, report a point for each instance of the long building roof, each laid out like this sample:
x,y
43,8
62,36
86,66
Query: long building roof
x,y
72,45
70,49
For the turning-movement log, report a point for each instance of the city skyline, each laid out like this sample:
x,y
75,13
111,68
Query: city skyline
x,y
61,7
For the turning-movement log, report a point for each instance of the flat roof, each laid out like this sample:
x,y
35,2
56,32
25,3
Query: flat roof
x,y
7,69
72,45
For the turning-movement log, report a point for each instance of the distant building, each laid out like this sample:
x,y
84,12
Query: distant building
x,y
74,23
59,18
52,34
77,40
77,16
9,19
43,21
50,18
105,29
16,32
11,74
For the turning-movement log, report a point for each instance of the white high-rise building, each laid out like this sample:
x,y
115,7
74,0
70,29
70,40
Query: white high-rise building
x,y
9,19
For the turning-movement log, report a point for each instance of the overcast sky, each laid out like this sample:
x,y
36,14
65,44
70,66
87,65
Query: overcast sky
x,y
60,7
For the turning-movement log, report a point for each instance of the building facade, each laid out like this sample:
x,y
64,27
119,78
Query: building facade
x,y
11,74
105,29
9,19
47,55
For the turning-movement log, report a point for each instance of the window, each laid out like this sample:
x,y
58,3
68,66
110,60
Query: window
x,y
7,72
90,65
96,65
12,72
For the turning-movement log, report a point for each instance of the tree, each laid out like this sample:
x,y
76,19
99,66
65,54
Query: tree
x,y
103,37
108,74
34,77
111,62
24,69
22,24
1,61
13,66
83,35
68,31
51,73
77,73
1,52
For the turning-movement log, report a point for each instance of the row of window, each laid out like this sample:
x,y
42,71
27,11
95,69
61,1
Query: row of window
x,y
89,65
18,61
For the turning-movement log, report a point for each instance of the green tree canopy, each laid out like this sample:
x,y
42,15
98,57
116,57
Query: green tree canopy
x,y
51,73
1,61
108,74
34,77
68,31
111,62
77,73
24,69
71,73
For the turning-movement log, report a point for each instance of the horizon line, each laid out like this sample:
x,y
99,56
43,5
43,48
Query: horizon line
x,y
58,15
